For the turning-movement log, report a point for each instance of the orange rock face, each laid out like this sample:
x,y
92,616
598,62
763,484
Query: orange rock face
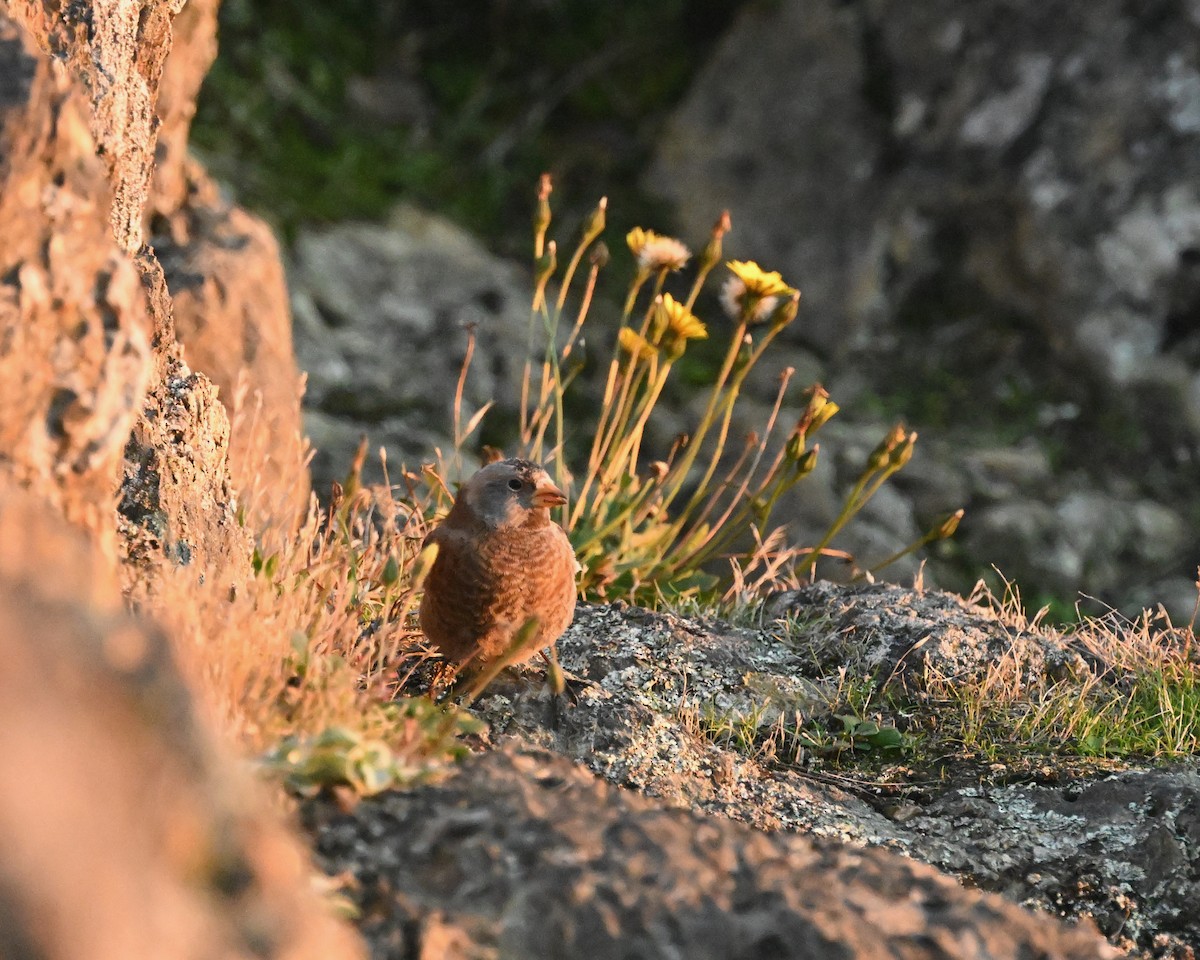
x,y
126,831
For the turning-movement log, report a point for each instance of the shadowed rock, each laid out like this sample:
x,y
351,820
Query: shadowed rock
x,y
524,854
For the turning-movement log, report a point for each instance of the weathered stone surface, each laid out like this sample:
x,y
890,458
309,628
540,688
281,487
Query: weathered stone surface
x,y
525,855
76,330
380,317
125,834
993,217
1122,849
177,505
87,345
653,691
229,296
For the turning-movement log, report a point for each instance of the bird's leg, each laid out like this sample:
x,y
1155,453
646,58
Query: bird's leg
x,y
554,674
446,675
522,640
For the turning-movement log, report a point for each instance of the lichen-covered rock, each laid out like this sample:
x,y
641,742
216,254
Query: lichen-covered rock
x,y
88,354
177,505
689,712
79,343
523,854
901,635
229,297
994,220
1122,849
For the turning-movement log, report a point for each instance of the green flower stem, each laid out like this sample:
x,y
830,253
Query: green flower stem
x,y
748,475
601,438
634,289
585,241
698,283
630,446
853,503
911,548
681,469
728,402
586,305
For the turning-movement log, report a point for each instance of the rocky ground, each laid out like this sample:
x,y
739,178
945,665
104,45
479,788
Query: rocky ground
x,y
1118,844
524,854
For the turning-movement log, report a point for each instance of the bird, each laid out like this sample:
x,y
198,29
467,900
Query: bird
x,y
503,567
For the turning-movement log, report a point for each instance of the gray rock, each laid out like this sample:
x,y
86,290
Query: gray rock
x,y
1084,542
381,312
651,689
1131,838
526,855
1001,204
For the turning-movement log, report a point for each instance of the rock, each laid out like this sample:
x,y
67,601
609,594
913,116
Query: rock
x,y
1120,849
88,356
229,297
1086,542
177,506
1007,473
652,692
526,855
381,317
652,679
994,220
126,832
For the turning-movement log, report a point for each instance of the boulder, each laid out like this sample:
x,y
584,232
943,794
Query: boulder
x,y
689,712
228,292
382,314
126,831
524,854
994,221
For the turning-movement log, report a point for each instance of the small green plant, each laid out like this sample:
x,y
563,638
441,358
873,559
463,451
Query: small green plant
x,y
341,756
832,722
649,530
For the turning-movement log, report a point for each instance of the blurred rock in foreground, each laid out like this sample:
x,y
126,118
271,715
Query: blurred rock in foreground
x,y
125,834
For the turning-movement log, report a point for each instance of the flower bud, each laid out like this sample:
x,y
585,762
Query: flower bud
x,y
786,312
902,452
881,455
594,225
711,255
541,216
796,443
824,415
946,526
806,463
599,256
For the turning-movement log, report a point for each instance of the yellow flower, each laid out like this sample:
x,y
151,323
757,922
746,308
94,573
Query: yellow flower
x,y
674,316
752,294
655,252
733,295
636,345
758,282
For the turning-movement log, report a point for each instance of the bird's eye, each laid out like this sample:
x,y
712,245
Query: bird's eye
x,y
514,484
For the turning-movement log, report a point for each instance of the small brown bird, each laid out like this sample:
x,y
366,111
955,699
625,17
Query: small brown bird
x,y
501,561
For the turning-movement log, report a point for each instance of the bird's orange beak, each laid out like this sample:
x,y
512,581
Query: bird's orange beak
x,y
548,495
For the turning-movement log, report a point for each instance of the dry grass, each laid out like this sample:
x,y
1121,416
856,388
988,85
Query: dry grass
x,y
1133,694
1139,695
319,638
1142,697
